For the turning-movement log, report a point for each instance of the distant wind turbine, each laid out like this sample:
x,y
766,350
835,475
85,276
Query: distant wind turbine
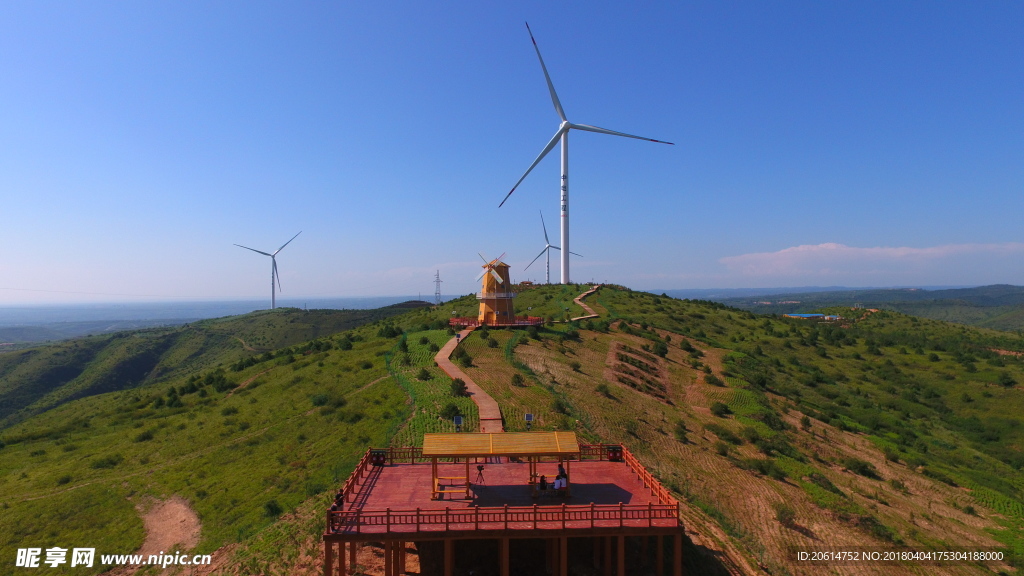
x,y
547,248
273,268
563,135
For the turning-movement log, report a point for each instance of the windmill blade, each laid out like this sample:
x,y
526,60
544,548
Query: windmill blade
x,y
482,274
497,277
484,258
535,259
551,87
551,144
276,275
575,254
546,241
498,259
254,250
589,128
287,243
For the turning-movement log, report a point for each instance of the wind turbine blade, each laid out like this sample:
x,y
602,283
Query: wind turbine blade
x,y
546,241
535,259
571,252
497,277
276,275
551,144
287,243
589,128
551,87
253,249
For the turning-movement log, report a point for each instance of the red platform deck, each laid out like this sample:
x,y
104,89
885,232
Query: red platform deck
x,y
396,498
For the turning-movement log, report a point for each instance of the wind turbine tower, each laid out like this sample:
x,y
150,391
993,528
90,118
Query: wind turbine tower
x,y
273,269
562,135
547,249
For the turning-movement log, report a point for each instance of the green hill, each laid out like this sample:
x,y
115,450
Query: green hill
x,y
39,378
886,430
1000,306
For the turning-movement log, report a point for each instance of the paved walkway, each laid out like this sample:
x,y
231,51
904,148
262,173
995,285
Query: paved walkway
x,y
579,300
490,414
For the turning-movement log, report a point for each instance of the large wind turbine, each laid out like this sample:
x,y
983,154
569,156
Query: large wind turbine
x,y
547,248
563,135
273,268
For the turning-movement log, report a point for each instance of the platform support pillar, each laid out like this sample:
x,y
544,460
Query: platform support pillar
x,y
563,556
659,556
504,544
607,556
341,559
389,568
677,555
621,556
351,556
328,558
449,556
403,567
596,541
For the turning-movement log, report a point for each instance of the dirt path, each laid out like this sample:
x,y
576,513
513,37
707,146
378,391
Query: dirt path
x,y
247,382
171,526
490,414
579,301
244,345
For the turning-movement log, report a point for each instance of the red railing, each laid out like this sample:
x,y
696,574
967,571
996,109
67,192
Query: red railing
x,y
506,518
534,517
517,321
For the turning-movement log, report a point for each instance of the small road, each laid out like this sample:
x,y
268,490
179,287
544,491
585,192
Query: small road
x,y
490,414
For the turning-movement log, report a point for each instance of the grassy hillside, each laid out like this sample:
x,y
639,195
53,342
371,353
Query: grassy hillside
x,y
888,430
999,306
37,379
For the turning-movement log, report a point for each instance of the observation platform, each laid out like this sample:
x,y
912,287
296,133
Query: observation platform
x,y
611,496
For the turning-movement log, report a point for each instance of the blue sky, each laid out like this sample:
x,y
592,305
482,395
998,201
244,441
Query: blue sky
x,y
817,143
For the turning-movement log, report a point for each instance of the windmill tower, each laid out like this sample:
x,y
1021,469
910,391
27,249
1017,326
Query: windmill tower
x,y
495,294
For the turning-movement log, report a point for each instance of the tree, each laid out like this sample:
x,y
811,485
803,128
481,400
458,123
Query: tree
x,y
459,388
719,409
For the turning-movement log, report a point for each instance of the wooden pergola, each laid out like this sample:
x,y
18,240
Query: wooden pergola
x,y
528,446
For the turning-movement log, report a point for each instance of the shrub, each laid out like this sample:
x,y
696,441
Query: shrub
x,y
805,423
366,364
680,432
713,380
434,347
272,509
228,411
559,406
575,366
1006,380
858,466
660,348
144,436
723,433
785,514
107,461
492,343
319,399
459,388
722,448
424,340
719,409
466,360
604,390
423,374
63,479
450,411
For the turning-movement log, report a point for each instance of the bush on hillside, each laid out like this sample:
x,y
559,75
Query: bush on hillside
x,y
720,409
459,388
450,411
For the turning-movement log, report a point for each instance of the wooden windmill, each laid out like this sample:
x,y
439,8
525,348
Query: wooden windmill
x,y
495,293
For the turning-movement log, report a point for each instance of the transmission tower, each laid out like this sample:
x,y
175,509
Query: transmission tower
x,y
437,288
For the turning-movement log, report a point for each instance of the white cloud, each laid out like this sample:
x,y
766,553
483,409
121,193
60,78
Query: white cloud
x,y
947,264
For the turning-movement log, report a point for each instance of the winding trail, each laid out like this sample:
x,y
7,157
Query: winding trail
x,y
579,301
490,413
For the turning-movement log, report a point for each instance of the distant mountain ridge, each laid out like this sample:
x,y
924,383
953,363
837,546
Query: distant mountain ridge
x,y
998,306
